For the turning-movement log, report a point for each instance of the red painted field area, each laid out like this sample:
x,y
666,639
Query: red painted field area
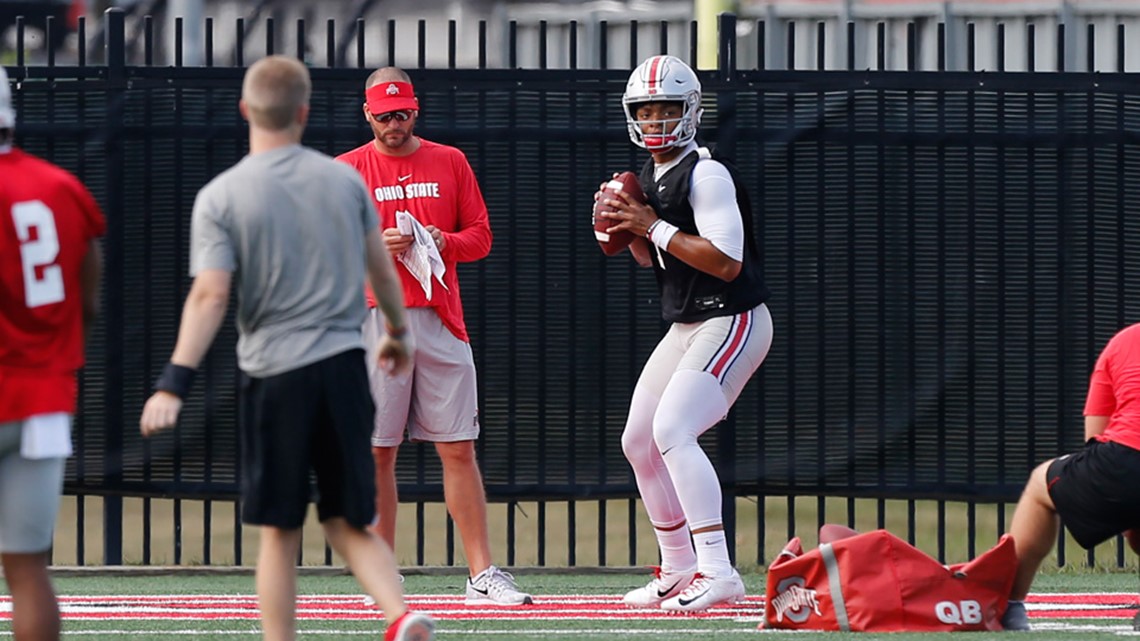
x,y
608,607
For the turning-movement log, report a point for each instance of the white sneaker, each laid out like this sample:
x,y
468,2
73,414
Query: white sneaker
x,y
368,600
495,587
705,592
666,584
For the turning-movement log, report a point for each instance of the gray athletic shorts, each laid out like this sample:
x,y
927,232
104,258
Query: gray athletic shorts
x,y
29,495
437,400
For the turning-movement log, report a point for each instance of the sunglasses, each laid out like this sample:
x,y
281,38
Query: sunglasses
x,y
398,116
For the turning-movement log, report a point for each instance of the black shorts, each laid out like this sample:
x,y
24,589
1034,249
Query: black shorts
x,y
1096,491
318,418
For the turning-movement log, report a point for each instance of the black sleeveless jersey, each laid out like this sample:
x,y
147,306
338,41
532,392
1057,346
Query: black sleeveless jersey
x,y
689,295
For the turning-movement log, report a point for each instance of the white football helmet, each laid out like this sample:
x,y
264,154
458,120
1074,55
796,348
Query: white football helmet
x,y
664,79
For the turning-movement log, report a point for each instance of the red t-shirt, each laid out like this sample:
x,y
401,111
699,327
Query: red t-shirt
x,y
436,185
1114,390
47,222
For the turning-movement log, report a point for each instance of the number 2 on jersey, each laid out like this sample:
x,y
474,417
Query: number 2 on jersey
x,y
43,279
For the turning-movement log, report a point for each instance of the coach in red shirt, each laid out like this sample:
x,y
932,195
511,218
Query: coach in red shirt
x,y
429,190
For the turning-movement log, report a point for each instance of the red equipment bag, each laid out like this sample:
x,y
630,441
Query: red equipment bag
x,y
877,582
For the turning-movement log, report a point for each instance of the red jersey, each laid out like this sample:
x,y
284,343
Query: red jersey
x,y
1114,390
47,222
436,185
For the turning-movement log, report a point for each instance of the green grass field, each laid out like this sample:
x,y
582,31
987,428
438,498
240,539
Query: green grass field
x,y
182,606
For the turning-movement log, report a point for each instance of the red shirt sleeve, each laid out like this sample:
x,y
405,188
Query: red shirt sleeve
x,y
1101,400
472,240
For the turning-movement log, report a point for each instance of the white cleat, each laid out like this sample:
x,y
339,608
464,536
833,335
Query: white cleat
x,y
705,592
495,587
666,584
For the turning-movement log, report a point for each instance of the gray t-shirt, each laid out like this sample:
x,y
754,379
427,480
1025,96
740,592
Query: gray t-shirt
x,y
290,223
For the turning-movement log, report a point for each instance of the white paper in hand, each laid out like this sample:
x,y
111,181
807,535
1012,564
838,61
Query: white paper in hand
x,y
422,257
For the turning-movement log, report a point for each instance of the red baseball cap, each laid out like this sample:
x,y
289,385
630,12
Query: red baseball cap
x,y
391,96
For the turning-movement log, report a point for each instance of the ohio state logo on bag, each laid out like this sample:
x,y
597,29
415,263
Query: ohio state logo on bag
x,y
794,601
877,582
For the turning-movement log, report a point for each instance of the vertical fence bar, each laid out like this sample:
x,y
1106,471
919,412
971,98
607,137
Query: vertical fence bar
x,y
971,47
727,134
1000,277
851,47
1061,186
513,45
543,372
1120,48
911,46
49,38
453,43
270,28
1090,49
239,43
941,46
820,46
81,36
881,46
178,43
114,160
790,50
482,44
633,59
209,42
1001,47
148,285
391,43
80,424
21,44
360,62
573,44
179,165
421,44
693,43
761,45
330,43
1030,48
148,41
821,283
663,37
603,44
572,391
301,44
1061,47
1031,268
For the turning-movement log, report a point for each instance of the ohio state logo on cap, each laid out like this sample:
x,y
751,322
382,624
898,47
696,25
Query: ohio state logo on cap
x,y
386,97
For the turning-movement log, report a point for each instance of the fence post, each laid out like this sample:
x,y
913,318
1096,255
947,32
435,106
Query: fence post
x,y
726,144
113,157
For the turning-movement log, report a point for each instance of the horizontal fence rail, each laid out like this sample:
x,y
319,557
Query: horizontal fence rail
x,y
947,253
944,42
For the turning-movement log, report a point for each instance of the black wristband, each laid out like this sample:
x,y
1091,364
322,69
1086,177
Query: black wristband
x,y
176,379
395,333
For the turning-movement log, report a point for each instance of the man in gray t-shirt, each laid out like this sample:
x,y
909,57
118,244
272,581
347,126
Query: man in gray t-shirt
x,y
296,231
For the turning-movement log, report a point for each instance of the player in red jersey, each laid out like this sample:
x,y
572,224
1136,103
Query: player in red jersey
x,y
430,206
49,281
1094,490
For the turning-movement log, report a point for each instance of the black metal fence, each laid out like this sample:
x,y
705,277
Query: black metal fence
x,y
948,252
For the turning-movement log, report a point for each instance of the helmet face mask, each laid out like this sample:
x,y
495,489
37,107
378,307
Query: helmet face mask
x,y
663,79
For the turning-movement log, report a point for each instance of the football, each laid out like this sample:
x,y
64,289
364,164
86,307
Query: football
x,y
831,532
1133,538
613,243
